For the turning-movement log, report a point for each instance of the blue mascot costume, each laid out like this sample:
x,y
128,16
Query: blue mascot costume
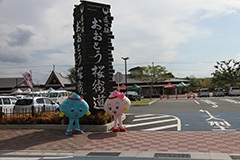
x,y
74,107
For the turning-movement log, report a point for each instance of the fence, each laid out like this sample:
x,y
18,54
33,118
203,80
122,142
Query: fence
x,y
26,112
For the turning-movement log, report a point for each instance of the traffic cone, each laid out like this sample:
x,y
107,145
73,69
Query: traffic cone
x,y
193,96
176,96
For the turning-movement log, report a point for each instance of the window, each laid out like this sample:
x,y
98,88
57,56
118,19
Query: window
x,y
48,101
6,101
24,102
13,100
40,101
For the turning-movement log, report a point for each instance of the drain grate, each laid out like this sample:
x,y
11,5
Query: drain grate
x,y
104,154
235,157
171,155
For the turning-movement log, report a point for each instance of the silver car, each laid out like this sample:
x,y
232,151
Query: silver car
x,y
203,92
234,91
40,104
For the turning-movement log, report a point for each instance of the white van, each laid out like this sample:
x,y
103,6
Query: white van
x,y
38,94
58,96
7,103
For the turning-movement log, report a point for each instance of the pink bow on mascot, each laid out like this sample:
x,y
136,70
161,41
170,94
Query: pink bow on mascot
x,y
115,105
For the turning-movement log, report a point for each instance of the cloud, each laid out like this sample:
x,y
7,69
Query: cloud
x,y
145,31
21,36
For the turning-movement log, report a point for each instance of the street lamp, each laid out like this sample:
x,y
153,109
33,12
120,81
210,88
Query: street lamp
x,y
125,60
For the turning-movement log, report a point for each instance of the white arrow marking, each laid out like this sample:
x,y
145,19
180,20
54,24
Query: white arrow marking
x,y
210,115
214,104
218,121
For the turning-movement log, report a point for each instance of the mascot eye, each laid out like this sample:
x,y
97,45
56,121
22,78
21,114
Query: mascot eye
x,y
117,107
110,108
80,110
72,110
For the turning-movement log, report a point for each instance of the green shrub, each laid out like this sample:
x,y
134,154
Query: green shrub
x,y
100,118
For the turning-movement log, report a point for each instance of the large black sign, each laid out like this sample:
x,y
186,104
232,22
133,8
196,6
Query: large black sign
x,y
93,51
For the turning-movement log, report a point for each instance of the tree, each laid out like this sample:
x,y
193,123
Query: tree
x,y
227,73
152,75
72,75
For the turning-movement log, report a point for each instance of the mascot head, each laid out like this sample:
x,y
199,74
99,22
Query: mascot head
x,y
74,106
116,103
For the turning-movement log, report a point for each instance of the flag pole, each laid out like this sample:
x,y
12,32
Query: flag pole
x,y
33,113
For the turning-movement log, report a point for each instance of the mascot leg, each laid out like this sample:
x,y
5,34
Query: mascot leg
x,y
115,127
77,127
70,126
121,127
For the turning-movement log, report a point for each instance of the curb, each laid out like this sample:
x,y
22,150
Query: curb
x,y
129,154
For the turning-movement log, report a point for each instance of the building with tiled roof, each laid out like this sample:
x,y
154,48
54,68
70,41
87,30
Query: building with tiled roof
x,y
56,80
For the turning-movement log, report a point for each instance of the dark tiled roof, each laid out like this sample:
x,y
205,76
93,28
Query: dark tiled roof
x,y
62,80
10,82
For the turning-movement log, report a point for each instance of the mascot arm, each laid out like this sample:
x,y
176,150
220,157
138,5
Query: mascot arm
x,y
61,114
88,113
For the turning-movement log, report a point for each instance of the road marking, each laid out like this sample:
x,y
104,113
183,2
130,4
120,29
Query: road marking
x,y
231,100
160,128
150,118
148,123
216,122
214,104
197,102
144,115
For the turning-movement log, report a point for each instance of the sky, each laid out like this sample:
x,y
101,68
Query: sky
x,y
187,37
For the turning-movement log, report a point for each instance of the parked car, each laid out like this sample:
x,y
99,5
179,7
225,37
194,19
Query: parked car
x,y
218,92
133,95
234,91
7,103
38,94
58,96
203,92
24,105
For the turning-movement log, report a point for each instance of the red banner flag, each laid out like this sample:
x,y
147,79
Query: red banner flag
x,y
28,78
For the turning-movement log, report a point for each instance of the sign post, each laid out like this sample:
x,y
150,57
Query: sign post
x,y
118,78
93,51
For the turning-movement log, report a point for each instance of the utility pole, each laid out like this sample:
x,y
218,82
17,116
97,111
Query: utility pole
x,y
125,60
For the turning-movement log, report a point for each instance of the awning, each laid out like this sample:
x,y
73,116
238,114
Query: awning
x,y
122,87
169,85
181,85
135,87
18,91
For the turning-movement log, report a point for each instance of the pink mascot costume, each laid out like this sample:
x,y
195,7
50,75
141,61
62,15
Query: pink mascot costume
x,y
115,105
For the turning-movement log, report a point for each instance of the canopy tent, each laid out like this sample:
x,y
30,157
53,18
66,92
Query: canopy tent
x,y
181,85
169,85
51,89
18,91
135,87
122,87
27,91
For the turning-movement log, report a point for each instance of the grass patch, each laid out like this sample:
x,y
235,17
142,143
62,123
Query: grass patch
x,y
141,103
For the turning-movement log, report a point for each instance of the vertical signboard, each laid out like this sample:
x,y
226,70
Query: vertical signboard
x,y
93,51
